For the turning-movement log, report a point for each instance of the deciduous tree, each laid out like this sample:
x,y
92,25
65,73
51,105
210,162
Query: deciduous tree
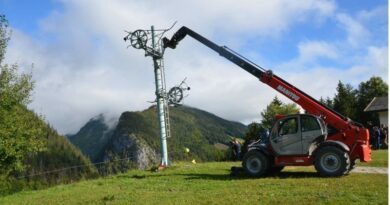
x,y
20,131
274,108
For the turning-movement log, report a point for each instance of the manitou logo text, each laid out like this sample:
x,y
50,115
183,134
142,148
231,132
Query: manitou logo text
x,y
288,93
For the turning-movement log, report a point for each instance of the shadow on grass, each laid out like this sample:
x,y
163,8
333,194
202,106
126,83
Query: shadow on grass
x,y
239,176
226,177
144,176
139,176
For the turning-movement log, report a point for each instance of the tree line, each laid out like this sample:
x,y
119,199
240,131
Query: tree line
x,y
350,101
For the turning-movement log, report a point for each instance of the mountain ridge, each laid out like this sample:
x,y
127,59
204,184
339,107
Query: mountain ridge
x,y
136,136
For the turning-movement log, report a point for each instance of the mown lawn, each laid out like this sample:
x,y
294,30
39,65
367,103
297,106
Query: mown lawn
x,y
380,158
210,183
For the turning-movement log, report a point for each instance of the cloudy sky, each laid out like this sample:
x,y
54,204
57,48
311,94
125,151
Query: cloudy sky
x,y
82,66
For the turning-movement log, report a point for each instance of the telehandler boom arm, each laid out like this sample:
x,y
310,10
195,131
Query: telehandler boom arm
x,y
349,132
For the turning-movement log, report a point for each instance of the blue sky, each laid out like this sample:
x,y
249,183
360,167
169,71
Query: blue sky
x,y
25,15
81,64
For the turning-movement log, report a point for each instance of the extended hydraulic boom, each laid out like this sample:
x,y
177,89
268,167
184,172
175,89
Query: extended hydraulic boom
x,y
348,135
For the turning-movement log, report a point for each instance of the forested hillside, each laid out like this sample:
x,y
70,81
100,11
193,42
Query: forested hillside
x,y
93,137
58,161
138,132
32,154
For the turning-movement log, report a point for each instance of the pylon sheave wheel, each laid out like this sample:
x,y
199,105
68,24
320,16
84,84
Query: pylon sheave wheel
x,y
332,162
175,95
256,163
138,39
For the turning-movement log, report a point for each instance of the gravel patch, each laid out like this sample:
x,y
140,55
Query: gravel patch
x,y
370,170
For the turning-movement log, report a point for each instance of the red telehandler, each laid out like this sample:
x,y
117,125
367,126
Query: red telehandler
x,y
323,138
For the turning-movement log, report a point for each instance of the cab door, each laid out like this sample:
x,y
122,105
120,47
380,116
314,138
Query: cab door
x,y
286,136
311,132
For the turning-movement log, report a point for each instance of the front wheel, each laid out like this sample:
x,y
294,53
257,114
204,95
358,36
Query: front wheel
x,y
332,162
256,163
352,166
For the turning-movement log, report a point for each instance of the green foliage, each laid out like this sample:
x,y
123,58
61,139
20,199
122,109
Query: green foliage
x,y
374,87
274,108
191,128
351,102
92,138
345,100
327,102
4,36
116,164
29,148
48,166
259,130
59,154
21,132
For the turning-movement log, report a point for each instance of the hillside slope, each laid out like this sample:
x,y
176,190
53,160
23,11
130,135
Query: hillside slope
x,y
58,153
92,137
49,166
136,136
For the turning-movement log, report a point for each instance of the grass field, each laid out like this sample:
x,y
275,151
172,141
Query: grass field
x,y
379,159
210,183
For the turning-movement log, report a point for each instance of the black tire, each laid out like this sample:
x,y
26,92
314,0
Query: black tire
x,y
256,163
331,161
352,165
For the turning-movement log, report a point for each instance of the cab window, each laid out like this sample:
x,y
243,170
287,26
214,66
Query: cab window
x,y
288,126
309,123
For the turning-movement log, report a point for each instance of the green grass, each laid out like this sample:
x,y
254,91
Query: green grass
x,y
380,158
210,183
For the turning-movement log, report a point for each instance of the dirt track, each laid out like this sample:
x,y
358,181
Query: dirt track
x,y
371,170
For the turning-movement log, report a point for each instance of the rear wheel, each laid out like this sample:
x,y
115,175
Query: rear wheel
x,y
332,162
256,163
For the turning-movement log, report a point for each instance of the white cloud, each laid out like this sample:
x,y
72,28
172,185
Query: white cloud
x,y
320,81
357,34
373,14
378,59
311,51
85,69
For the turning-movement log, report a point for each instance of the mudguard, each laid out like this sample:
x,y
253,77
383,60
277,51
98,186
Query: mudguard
x,y
338,144
259,146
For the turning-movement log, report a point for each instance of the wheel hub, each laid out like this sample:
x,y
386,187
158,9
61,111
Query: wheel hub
x,y
254,164
330,162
